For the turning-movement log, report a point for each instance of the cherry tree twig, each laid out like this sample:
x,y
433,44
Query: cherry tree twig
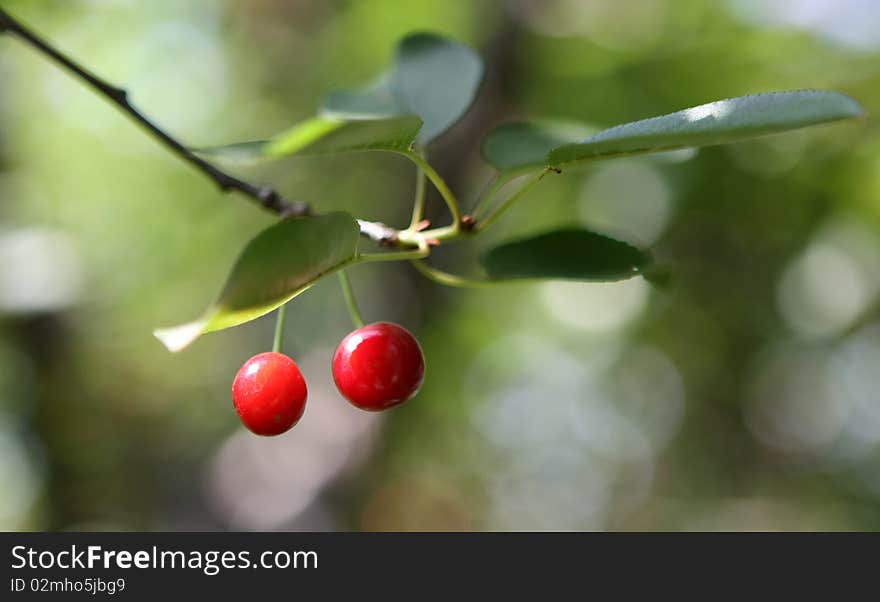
x,y
264,196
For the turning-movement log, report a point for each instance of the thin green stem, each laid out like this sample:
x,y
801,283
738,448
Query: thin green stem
x,y
279,329
421,238
501,180
350,301
439,183
420,253
494,185
493,217
441,277
418,212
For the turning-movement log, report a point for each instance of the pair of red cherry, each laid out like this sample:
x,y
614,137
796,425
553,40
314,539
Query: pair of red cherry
x,y
375,367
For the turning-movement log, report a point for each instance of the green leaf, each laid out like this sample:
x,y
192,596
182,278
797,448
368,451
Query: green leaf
x,y
718,122
522,145
431,85
433,77
436,79
375,101
278,264
568,254
322,135
325,135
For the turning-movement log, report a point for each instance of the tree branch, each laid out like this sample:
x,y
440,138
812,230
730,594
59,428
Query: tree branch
x,y
264,196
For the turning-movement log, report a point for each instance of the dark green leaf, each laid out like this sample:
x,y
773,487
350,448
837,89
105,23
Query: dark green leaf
x,y
433,77
325,135
275,266
719,122
570,254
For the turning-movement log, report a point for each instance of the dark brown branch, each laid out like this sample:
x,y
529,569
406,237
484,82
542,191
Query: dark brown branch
x,y
266,197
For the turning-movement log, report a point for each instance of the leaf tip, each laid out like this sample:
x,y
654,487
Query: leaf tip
x,y
180,337
858,111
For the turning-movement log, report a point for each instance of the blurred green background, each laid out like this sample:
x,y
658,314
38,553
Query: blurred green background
x,y
745,396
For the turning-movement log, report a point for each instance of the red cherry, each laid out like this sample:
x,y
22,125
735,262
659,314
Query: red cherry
x,y
378,366
269,393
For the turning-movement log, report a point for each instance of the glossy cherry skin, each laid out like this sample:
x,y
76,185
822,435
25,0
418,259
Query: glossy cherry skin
x,y
378,366
269,393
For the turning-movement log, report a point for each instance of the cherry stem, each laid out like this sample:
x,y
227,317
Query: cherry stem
x,y
439,183
350,301
279,329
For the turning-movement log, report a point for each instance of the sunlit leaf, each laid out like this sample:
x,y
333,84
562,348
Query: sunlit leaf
x,y
325,135
569,254
279,263
718,122
394,133
433,77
